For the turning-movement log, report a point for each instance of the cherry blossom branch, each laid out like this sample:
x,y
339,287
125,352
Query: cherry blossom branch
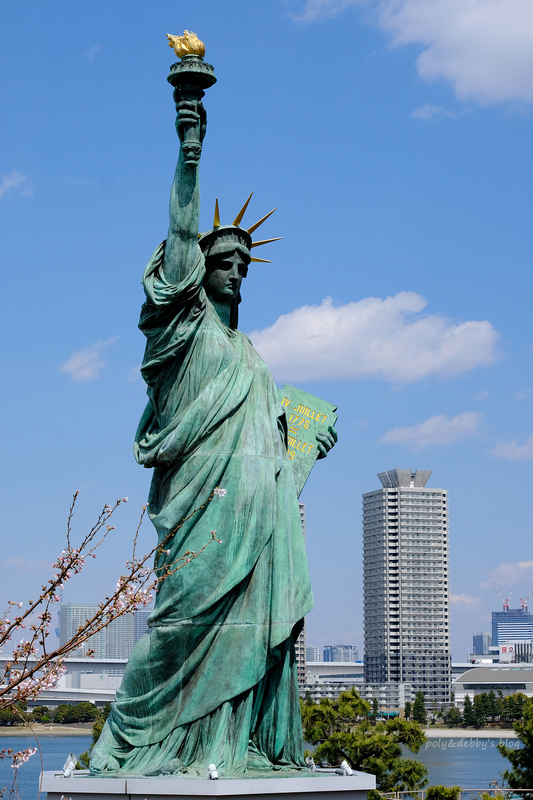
x,y
20,757
32,667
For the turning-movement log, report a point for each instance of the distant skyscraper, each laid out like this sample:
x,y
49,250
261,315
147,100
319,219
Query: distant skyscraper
x,y
71,618
140,621
312,653
341,652
515,625
480,644
115,641
406,590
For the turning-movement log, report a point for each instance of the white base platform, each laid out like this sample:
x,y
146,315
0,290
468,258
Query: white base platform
x,y
310,786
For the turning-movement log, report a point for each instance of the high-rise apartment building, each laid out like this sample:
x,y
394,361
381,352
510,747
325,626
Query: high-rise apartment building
x,y
480,644
312,653
514,624
341,652
406,590
117,640
71,618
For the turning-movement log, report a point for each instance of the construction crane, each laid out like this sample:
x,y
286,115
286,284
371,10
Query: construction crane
x,y
506,600
523,600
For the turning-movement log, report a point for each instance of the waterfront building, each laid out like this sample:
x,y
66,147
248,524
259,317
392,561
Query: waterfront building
x,y
406,588
312,653
341,652
507,680
513,624
117,640
71,618
93,680
327,679
520,652
140,622
481,643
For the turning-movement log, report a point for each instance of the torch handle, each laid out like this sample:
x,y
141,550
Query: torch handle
x,y
189,78
190,129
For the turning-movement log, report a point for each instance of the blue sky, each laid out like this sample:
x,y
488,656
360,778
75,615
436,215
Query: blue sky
x,y
395,139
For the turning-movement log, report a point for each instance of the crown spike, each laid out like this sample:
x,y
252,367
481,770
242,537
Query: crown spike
x,y
266,241
257,224
216,220
240,215
262,260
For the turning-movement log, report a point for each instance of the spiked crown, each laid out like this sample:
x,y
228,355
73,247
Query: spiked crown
x,y
223,237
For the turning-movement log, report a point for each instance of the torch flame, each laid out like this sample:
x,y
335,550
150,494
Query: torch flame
x,y
188,44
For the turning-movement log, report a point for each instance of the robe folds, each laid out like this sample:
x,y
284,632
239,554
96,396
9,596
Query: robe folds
x,y
214,680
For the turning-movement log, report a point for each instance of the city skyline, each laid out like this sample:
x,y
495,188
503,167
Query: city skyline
x,y
402,172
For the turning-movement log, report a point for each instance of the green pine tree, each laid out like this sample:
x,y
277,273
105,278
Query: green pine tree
x,y
453,717
521,774
480,709
468,711
419,709
343,730
491,706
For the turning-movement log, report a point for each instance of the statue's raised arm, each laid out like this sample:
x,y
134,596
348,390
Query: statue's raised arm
x,y
189,77
184,212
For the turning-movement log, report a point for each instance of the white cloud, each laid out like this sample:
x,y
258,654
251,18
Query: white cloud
x,y
464,600
86,365
510,573
436,430
483,48
15,181
314,10
92,52
523,393
373,338
512,450
429,111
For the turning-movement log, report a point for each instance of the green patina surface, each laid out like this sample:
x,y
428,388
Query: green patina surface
x,y
214,681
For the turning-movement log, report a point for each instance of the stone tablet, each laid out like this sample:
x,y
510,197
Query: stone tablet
x,y
307,415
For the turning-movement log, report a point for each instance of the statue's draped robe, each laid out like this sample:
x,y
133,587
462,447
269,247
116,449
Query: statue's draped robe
x,y
214,681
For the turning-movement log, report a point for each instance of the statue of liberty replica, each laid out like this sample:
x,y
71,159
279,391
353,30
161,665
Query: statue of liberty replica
x,y
214,681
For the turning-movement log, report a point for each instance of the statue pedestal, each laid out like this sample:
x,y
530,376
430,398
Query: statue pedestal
x,y
310,786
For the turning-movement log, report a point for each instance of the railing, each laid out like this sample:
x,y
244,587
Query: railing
x,y
463,794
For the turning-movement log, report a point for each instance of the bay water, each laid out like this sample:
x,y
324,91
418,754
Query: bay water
x,y
54,749
471,763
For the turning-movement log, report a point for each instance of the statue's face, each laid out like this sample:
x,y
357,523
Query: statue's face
x,y
224,276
